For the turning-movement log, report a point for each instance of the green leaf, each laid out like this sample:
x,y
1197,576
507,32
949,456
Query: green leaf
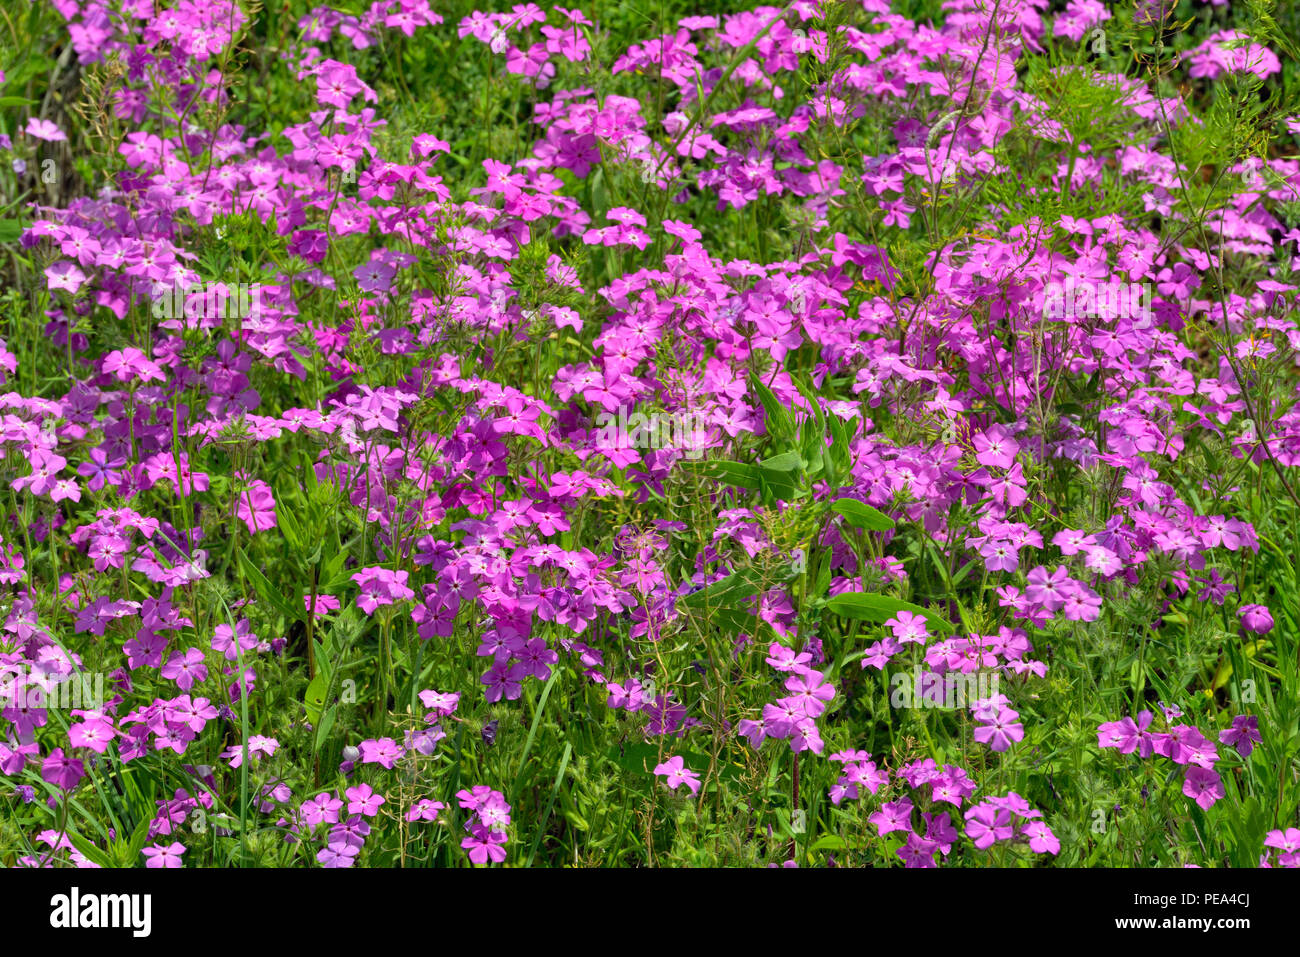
x,y
89,850
127,850
314,700
268,592
809,392
723,592
293,532
334,575
550,805
872,607
532,734
783,824
828,843
813,449
10,230
823,581
326,725
785,462
778,485
729,473
862,515
780,425
734,621
323,661
638,757
840,457
599,192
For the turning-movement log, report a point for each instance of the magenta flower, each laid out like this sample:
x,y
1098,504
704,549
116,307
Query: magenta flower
x,y
1243,735
877,654
987,824
504,680
1288,842
381,586
324,808
811,690
1203,786
1126,735
14,759
231,641
256,507
44,130
338,855
324,604
1256,618
1041,838
676,773
995,448
908,627
786,659
337,84
375,276
260,745
159,855
440,702
62,771
95,734
424,810
384,752
1000,729
100,469
1049,589
64,275
484,845
130,363
362,800
186,668
918,851
893,816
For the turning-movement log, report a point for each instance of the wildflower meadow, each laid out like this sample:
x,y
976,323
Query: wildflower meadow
x,y
658,434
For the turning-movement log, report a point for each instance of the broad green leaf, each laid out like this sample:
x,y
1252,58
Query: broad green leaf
x,y
314,699
780,486
785,462
862,515
723,592
828,843
730,473
872,607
